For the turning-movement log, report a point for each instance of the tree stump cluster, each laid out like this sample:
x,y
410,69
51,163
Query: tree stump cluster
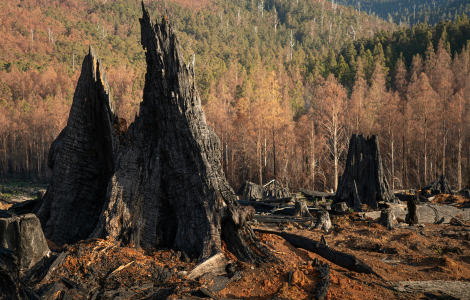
x,y
253,192
439,186
158,182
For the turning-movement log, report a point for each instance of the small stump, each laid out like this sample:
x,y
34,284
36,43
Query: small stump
x,y
301,209
412,217
388,218
24,235
341,207
323,220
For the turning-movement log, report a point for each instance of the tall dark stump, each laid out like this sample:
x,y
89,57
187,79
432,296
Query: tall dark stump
x,y
363,180
162,183
82,159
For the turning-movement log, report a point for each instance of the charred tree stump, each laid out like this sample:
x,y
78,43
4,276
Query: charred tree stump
x,y
275,190
387,218
363,180
341,207
412,217
323,220
251,191
11,286
439,186
301,209
160,183
324,285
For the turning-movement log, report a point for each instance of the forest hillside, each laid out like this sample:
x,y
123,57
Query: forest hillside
x,y
411,12
283,84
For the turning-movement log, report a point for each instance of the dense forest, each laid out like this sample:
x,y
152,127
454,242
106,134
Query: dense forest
x,y
409,12
284,84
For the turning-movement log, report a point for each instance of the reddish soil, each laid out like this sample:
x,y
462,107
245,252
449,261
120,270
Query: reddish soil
x,y
455,200
432,252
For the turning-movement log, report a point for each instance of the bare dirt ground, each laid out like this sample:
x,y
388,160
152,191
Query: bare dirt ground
x,y
411,253
406,253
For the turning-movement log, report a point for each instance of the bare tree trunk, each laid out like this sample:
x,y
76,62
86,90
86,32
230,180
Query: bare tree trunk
x,y
405,181
335,154
260,150
444,142
26,160
459,162
274,153
393,162
425,151
265,151
312,156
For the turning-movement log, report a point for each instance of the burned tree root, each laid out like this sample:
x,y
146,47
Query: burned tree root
x,y
341,259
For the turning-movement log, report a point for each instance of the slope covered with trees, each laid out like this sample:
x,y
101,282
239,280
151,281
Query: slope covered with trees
x,y
411,12
43,41
284,85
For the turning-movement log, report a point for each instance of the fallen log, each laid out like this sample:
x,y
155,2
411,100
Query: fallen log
x,y
24,235
214,265
57,261
282,219
339,258
289,211
277,201
258,205
455,289
315,194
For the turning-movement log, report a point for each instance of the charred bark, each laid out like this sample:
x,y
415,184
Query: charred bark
x,y
251,191
388,218
412,216
363,180
323,220
81,159
324,284
439,186
162,184
341,259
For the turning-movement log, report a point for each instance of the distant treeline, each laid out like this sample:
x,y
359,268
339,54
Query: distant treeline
x,y
284,106
411,12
